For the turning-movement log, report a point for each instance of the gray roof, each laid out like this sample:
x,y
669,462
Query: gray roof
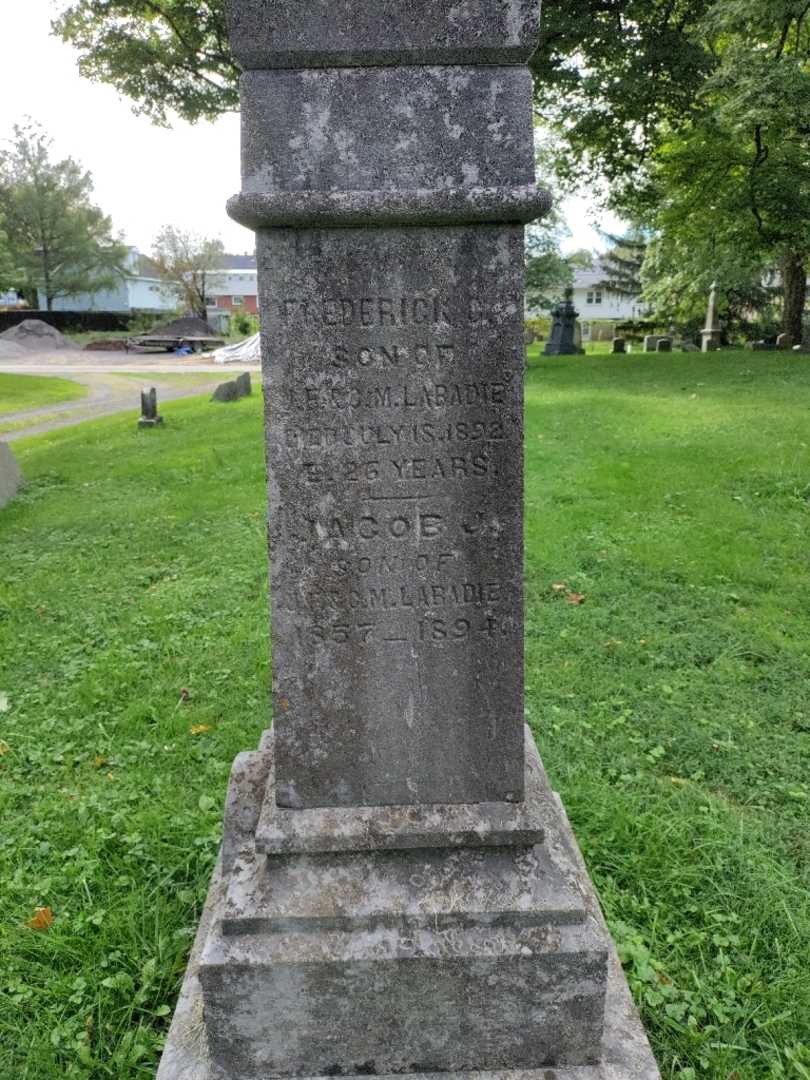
x,y
238,262
589,279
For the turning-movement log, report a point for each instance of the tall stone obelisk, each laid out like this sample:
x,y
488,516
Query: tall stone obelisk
x,y
399,892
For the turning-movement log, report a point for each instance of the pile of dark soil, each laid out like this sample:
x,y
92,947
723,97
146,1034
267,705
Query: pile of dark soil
x,y
107,345
188,327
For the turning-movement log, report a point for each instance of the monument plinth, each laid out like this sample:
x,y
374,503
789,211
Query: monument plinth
x,y
399,892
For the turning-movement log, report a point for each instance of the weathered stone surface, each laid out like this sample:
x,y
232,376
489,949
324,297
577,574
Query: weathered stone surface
x,y
149,409
784,341
356,33
394,405
396,957
344,209
619,346
398,896
243,384
664,344
281,831
10,475
565,905
651,343
359,130
227,391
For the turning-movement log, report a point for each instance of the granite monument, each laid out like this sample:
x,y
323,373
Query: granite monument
x,y
399,891
565,329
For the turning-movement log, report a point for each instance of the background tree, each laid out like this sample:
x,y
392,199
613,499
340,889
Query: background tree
x,y
6,262
185,261
622,262
60,242
695,113
163,54
621,83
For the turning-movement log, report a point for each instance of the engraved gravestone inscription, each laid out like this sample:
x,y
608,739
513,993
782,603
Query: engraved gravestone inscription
x,y
394,402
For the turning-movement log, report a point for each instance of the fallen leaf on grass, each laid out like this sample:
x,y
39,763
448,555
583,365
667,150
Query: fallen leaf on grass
x,y
575,598
110,776
4,748
5,704
99,760
678,780
185,695
199,729
559,586
42,920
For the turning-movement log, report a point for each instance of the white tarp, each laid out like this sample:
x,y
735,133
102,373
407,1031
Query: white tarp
x,y
243,352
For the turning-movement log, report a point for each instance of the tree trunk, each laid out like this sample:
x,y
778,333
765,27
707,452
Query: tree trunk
x,y
49,302
794,285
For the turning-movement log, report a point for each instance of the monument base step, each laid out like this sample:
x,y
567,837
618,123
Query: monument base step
x,y
625,1053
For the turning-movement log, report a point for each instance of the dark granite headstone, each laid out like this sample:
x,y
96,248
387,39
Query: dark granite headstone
x,y
243,384
399,890
664,344
227,391
619,346
562,341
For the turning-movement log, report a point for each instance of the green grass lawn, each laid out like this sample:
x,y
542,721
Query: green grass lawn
x,y
671,705
20,392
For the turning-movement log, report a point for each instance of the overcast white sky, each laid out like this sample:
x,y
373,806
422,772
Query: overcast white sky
x,y
144,176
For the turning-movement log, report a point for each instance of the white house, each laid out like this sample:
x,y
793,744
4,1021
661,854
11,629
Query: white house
x,y
596,303
139,288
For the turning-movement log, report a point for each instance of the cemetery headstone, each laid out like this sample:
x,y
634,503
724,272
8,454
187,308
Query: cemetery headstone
x,y
562,340
234,389
651,343
399,890
10,475
227,391
149,409
784,341
664,344
711,334
619,346
761,346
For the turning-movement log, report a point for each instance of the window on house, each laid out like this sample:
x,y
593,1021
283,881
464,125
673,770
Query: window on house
x,y
597,296
238,301
590,297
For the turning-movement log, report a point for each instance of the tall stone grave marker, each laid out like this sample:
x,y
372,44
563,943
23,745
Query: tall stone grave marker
x,y
711,334
399,891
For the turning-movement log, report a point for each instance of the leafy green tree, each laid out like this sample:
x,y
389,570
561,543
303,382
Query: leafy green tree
x,y
163,54
6,262
60,242
696,115
186,261
548,272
